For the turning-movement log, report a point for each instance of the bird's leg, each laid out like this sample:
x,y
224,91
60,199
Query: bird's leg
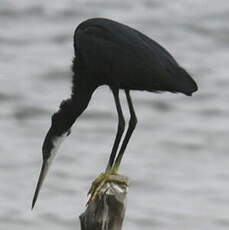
x,y
107,175
120,130
131,127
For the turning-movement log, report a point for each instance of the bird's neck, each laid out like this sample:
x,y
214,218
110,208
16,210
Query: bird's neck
x,y
80,99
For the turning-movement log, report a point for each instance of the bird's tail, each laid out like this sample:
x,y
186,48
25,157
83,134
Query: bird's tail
x,y
185,83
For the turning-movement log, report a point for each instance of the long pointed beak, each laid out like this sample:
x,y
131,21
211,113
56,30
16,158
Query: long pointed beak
x,y
50,151
43,173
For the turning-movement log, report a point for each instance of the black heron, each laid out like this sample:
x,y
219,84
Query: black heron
x,y
113,54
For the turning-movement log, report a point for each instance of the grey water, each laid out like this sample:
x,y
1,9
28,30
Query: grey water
x,y
178,158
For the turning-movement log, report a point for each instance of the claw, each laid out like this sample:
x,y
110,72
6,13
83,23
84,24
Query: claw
x,y
95,183
101,180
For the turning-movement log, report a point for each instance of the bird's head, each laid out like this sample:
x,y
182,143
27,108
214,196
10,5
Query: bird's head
x,y
62,122
60,128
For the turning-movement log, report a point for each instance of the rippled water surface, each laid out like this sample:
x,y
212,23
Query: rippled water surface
x,y
177,160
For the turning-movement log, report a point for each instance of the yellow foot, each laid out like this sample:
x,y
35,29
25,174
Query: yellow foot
x,y
101,180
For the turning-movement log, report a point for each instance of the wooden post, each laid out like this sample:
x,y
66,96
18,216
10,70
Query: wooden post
x,y
107,211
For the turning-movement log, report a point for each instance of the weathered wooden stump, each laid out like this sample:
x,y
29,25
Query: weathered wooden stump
x,y
107,211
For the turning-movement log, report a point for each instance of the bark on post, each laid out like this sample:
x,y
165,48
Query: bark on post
x,y
107,211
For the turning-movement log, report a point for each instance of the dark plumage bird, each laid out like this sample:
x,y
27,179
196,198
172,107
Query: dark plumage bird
x,y
113,54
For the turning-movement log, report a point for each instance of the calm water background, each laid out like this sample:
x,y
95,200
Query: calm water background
x,y
178,158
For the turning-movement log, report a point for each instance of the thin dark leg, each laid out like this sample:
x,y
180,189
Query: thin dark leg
x,y
121,127
131,127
